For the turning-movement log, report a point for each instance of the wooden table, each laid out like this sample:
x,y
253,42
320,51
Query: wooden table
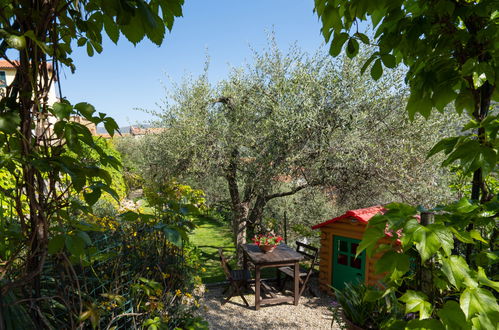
x,y
282,256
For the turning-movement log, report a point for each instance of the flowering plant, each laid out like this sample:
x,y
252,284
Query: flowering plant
x,y
268,239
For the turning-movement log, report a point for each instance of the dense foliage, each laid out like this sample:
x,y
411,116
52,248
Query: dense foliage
x,y
451,50
441,269
55,260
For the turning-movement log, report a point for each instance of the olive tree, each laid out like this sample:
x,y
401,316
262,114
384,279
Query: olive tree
x,y
286,123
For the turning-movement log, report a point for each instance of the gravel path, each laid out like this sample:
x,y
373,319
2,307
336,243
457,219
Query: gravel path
x,y
311,313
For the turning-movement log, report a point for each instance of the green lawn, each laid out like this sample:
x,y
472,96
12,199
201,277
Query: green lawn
x,y
208,237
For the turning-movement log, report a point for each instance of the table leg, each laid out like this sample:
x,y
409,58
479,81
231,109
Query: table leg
x,y
296,290
257,287
245,268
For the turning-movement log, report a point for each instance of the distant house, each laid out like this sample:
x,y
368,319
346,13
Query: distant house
x,y
138,132
7,74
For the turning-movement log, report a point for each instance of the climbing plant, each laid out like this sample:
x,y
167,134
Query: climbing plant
x,y
37,38
451,51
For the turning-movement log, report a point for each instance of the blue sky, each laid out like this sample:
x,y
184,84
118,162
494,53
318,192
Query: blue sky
x,y
124,77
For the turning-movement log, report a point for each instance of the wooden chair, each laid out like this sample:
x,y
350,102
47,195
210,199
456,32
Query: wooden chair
x,y
237,279
311,254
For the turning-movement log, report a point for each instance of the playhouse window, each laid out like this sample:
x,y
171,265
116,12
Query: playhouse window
x,y
355,262
343,246
353,248
343,259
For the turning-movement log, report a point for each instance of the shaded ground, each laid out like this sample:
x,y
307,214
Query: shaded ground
x,y
311,313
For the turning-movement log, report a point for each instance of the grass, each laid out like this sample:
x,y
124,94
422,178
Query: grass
x,y
208,237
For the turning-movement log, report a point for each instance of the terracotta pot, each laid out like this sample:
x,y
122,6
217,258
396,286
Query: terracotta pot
x,y
350,325
267,248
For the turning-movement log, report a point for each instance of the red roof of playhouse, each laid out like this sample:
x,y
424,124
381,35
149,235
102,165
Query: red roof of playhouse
x,y
363,215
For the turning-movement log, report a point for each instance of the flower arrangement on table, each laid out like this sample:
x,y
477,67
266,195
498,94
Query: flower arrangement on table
x,y
268,242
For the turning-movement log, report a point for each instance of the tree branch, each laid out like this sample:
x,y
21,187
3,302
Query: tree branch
x,y
287,193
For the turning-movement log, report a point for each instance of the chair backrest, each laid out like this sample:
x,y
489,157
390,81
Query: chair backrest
x,y
225,265
308,251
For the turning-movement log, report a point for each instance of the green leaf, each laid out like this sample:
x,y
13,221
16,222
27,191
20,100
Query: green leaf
x,y
85,109
111,28
377,16
464,206
456,270
371,236
352,48
337,44
464,101
75,245
419,103
417,302
367,63
81,41
376,70
443,96
172,235
84,236
90,49
93,195
475,234
9,122
484,279
453,317
129,216
479,79
395,264
477,300
446,145
56,244
389,60
111,126
487,321
444,235
362,37
134,30
427,324
62,110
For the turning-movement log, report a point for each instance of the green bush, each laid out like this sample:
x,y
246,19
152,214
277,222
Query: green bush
x,y
360,310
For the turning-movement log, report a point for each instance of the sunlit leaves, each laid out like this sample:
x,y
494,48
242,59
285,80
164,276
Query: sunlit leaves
x,y
478,300
396,264
417,302
457,271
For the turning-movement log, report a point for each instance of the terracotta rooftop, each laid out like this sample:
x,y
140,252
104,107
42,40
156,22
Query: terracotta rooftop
x,y
363,215
6,65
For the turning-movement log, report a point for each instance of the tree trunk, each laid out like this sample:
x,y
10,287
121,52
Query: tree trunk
x,y
479,191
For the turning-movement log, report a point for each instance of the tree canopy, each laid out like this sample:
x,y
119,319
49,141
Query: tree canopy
x,y
450,49
291,122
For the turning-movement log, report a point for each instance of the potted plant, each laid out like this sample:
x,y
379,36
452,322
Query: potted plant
x,y
354,312
267,243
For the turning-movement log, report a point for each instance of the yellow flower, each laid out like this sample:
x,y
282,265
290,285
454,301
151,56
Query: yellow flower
x,y
188,295
203,269
178,292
